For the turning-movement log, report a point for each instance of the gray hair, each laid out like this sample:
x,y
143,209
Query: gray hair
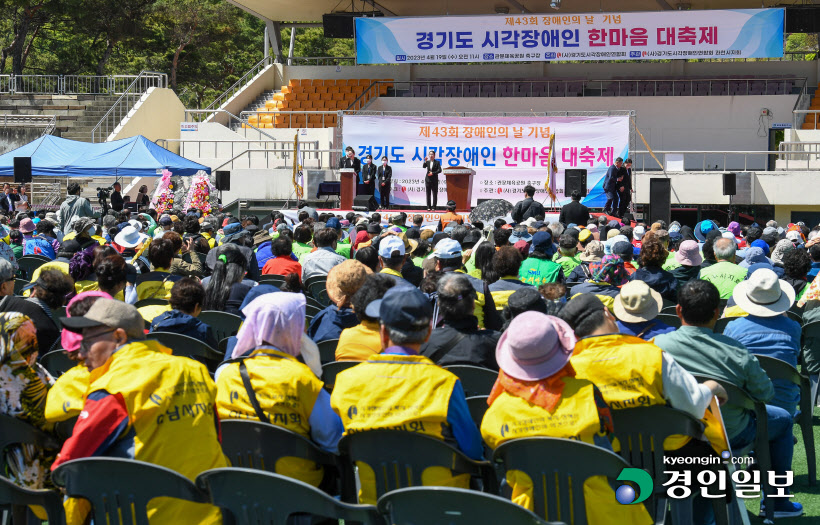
x,y
556,228
6,270
408,337
725,249
771,224
456,296
109,221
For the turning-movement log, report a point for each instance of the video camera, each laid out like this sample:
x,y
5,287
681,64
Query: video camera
x,y
102,195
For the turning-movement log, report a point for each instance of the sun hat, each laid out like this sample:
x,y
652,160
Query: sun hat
x,y
344,280
688,254
535,346
520,233
703,228
26,225
136,224
637,303
638,232
763,294
593,252
612,233
129,237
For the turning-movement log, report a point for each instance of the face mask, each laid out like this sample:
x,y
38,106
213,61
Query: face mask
x,y
367,161
384,163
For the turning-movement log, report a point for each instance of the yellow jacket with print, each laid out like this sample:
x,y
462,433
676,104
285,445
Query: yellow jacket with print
x,y
576,417
286,391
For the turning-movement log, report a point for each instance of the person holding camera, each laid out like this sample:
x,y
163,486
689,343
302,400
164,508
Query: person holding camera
x,y
116,197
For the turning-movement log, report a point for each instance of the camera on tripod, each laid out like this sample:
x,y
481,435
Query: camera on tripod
x,y
104,193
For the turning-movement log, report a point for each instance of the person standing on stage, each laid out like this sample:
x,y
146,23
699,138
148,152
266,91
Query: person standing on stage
x,y
624,187
350,161
385,176
433,168
369,175
610,186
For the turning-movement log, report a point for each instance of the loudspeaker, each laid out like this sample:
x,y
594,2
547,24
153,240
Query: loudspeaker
x,y
22,169
223,180
341,25
660,200
575,179
365,202
730,183
802,19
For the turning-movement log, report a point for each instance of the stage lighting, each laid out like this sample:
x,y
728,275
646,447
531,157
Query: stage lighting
x,y
555,4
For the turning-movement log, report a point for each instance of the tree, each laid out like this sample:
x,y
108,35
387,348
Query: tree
x,y
191,23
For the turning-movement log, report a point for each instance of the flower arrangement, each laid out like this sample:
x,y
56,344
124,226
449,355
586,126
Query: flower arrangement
x,y
199,194
164,194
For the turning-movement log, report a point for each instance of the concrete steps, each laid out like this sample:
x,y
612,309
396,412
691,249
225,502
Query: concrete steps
x,y
76,115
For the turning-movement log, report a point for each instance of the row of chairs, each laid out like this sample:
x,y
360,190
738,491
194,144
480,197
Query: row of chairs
x,y
557,467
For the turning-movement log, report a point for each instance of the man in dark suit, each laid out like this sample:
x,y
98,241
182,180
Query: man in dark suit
x,y
527,208
609,186
624,187
8,199
574,212
385,175
433,168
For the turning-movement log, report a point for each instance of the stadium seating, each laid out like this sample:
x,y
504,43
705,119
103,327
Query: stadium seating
x,y
316,95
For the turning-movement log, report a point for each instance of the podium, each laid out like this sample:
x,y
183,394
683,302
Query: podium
x,y
460,186
348,188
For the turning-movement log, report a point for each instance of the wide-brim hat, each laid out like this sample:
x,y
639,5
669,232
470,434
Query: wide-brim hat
x,y
703,228
637,303
763,294
688,254
535,346
129,237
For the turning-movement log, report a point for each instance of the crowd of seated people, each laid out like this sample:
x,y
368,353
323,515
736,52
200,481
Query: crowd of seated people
x,y
566,316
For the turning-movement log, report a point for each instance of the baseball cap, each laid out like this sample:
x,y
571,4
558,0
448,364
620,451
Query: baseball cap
x,y
621,248
471,238
447,249
165,220
389,245
403,308
374,228
334,223
110,313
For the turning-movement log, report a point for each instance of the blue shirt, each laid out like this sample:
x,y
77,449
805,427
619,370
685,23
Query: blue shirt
x,y
461,423
329,323
777,337
655,328
815,269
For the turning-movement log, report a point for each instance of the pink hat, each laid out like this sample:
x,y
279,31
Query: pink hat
x,y
27,225
71,340
535,346
688,253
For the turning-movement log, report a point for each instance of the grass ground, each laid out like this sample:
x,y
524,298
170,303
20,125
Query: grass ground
x,y
809,497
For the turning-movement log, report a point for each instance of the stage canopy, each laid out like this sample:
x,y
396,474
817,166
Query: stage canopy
x,y
131,157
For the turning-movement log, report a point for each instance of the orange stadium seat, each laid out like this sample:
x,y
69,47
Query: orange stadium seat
x,y
319,104
333,89
345,89
294,82
296,105
286,89
266,118
337,96
328,82
278,96
316,82
307,105
301,96
321,90
253,119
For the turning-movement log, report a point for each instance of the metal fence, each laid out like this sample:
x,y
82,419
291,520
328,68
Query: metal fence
x,y
239,85
77,84
282,158
138,85
795,155
322,61
280,149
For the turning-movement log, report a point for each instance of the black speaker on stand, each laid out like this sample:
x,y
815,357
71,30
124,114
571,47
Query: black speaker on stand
x,y
660,200
223,182
365,203
730,183
575,179
22,170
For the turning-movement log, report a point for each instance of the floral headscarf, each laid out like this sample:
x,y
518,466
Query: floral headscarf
x,y
611,271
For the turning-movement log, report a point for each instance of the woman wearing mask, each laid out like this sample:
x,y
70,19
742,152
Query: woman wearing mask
x,y
385,174
369,175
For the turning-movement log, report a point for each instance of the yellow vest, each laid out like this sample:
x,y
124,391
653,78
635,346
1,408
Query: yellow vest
x,y
396,392
170,402
67,395
156,285
286,391
359,342
575,417
628,371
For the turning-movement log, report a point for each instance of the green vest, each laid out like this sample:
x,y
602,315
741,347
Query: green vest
x,y
539,271
725,276
568,263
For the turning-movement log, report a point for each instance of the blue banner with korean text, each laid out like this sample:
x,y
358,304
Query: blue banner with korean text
x,y
655,35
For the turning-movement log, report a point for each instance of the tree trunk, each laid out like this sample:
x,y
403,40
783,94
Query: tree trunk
x,y
19,41
30,43
107,55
